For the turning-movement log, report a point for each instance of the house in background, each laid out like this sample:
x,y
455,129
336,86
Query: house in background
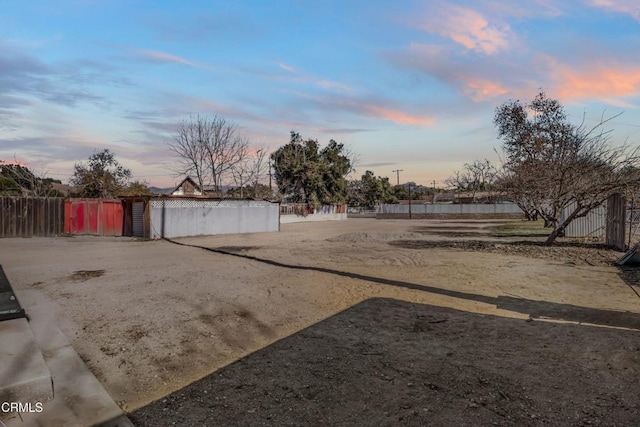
x,y
187,187
188,211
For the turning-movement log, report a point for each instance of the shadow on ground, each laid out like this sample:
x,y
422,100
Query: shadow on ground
x,y
389,362
533,308
482,244
630,274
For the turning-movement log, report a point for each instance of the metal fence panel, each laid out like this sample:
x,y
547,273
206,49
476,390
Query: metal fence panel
x,y
592,225
138,219
451,209
196,217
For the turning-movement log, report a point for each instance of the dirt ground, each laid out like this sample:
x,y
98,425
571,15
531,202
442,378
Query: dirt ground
x,y
361,321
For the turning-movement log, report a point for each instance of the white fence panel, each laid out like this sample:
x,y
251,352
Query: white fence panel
x,y
592,225
197,217
449,208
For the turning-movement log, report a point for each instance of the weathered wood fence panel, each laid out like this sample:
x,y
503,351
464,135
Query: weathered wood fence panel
x,y
616,221
31,216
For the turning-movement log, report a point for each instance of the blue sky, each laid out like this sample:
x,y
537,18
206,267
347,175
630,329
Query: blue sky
x,y
408,85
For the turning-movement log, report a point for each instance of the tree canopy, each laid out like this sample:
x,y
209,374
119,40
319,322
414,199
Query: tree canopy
x,y
18,180
103,176
552,165
370,190
305,173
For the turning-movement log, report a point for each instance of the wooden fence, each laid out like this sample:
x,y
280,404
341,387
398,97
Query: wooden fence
x,y
31,216
616,221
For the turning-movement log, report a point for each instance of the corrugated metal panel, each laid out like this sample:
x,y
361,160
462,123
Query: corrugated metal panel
x,y
592,225
137,209
197,217
449,208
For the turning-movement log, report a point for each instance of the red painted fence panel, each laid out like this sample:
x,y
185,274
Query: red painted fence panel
x,y
98,217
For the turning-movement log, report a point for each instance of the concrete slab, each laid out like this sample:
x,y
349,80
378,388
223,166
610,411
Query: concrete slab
x,y
79,398
24,376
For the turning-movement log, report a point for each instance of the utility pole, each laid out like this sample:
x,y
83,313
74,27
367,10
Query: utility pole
x,y
397,171
409,200
433,199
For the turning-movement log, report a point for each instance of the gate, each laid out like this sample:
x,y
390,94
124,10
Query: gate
x,y
98,217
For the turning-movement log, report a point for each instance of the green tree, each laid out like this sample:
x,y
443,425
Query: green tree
x,y
370,190
305,173
335,166
135,188
18,180
256,192
103,176
9,183
400,192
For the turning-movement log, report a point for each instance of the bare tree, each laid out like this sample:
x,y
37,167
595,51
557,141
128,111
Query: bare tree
x,y
209,149
553,166
250,172
459,180
258,169
473,177
189,146
353,157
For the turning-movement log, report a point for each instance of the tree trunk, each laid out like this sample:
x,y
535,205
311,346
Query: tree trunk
x,y
553,236
559,230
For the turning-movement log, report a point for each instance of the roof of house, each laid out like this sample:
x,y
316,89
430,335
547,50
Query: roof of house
x,y
190,181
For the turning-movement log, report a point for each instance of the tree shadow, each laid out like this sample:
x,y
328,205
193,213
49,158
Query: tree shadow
x,y
532,308
486,244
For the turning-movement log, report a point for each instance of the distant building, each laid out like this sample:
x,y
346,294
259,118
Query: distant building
x,y
187,187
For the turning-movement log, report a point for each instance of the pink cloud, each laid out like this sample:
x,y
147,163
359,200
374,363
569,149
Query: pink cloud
x,y
397,116
602,81
482,90
629,7
469,28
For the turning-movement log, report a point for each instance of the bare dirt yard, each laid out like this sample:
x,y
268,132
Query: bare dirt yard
x,y
357,322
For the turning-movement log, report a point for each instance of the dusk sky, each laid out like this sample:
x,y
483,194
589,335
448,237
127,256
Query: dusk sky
x,y
408,85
